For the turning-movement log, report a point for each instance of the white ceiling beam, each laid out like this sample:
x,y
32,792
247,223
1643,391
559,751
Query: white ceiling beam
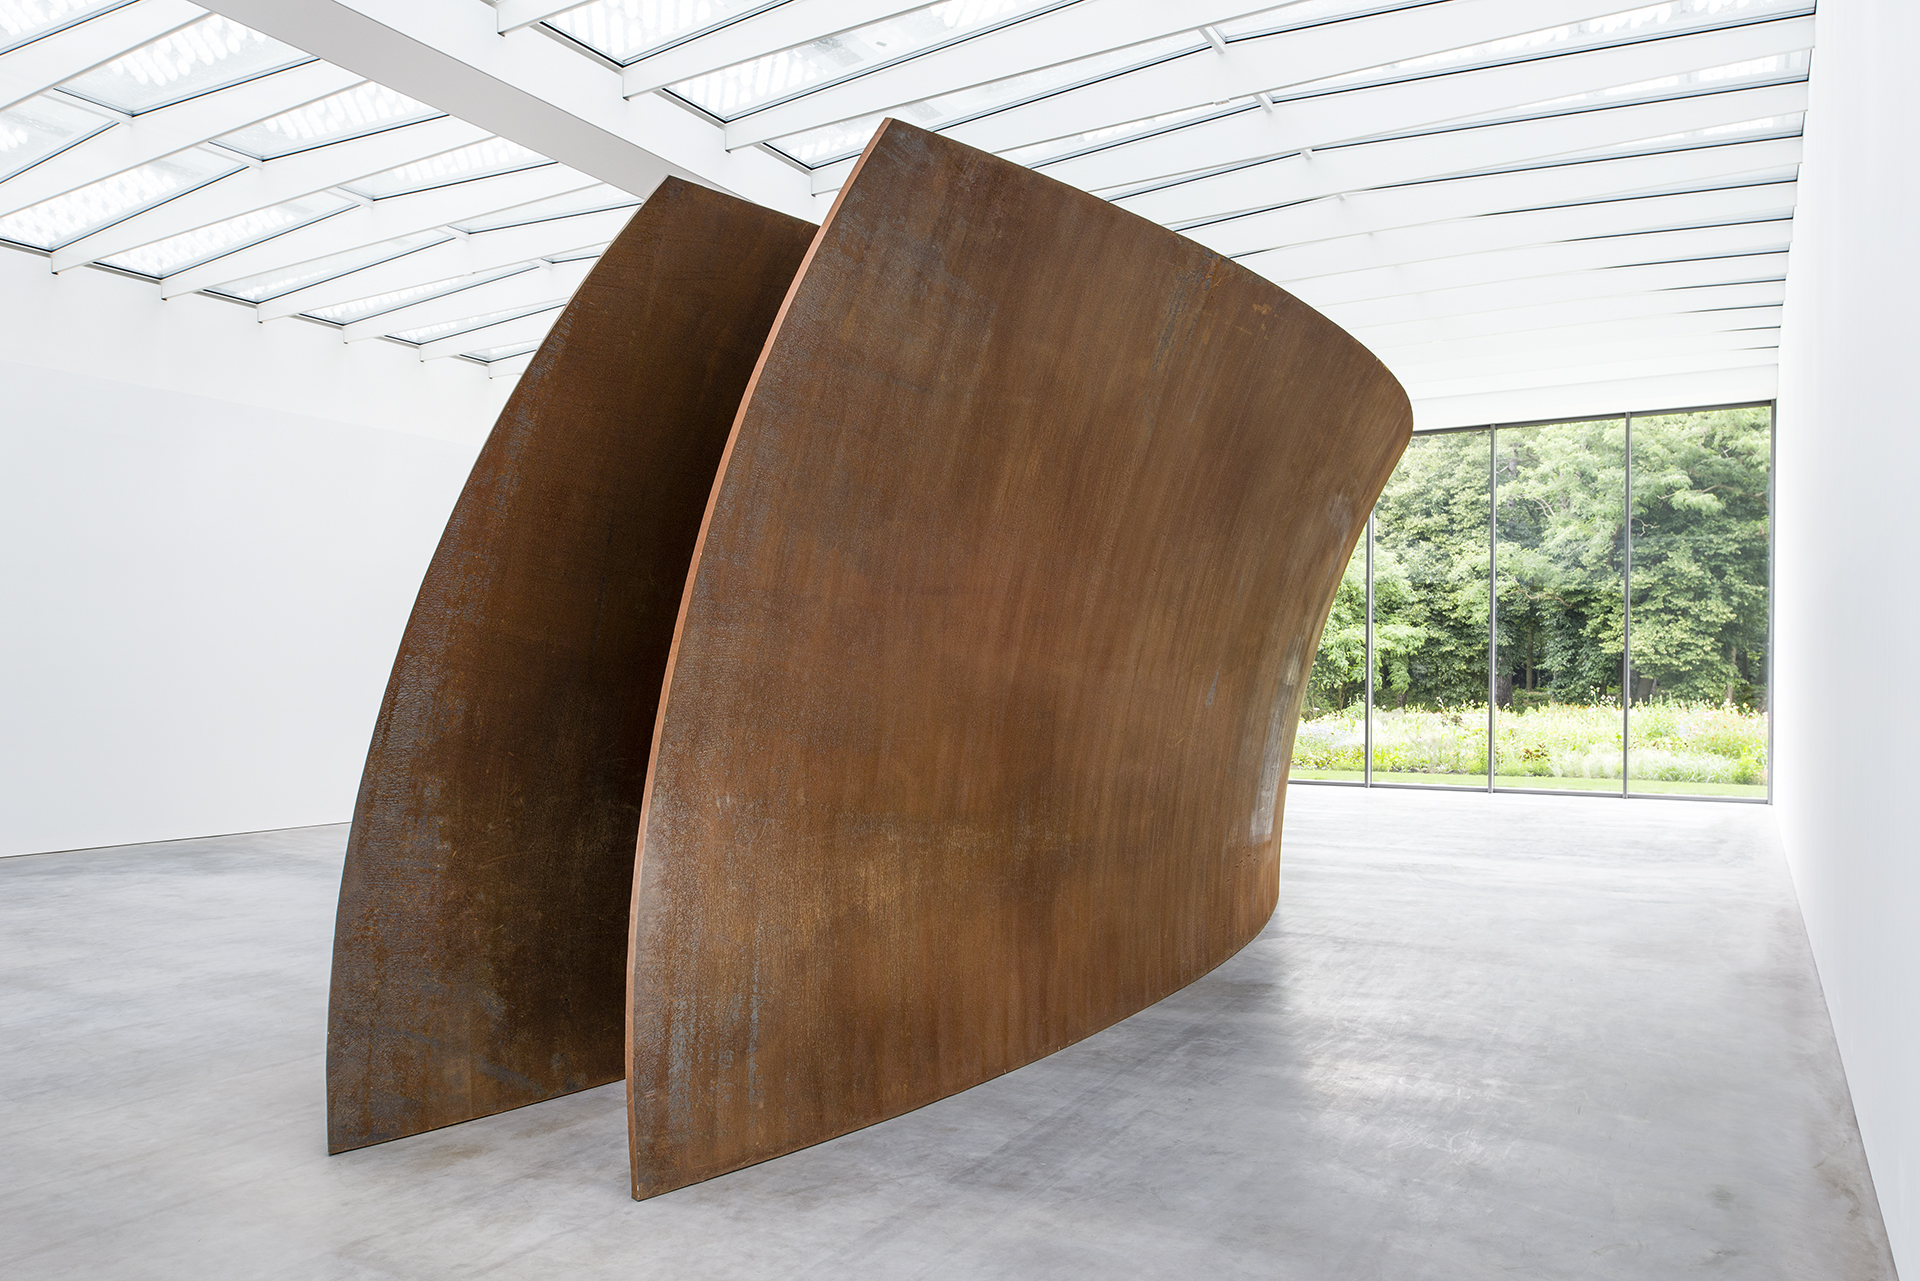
x,y
1576,400
1255,133
1049,39
526,88
39,66
1271,62
290,178
1456,151
1593,347
383,220
1612,218
511,15
464,256
1612,371
153,134
1539,260
1584,332
1641,305
1388,208
1359,318
534,287
785,26
504,333
511,367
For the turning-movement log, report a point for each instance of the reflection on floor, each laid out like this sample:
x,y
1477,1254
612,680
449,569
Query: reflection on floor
x,y
1485,1036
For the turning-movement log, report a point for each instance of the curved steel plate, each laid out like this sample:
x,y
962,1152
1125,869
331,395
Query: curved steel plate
x,y
987,671
479,956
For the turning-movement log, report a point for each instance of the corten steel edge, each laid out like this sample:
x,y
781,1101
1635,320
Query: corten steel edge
x,y
479,958
986,678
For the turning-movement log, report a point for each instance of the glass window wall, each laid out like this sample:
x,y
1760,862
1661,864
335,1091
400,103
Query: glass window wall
x,y
1697,719
1566,607
1431,537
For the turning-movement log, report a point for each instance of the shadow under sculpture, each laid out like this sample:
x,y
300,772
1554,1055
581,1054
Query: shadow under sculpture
x,y
974,730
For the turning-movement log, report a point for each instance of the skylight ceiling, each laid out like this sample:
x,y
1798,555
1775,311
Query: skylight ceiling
x,y
1493,194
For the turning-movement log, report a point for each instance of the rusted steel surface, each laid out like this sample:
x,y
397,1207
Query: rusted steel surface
x,y
479,959
987,675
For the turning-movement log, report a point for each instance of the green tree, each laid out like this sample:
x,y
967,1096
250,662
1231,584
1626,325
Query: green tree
x,y
1700,555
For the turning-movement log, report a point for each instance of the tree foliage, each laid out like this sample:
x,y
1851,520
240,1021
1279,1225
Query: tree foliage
x,y
1699,554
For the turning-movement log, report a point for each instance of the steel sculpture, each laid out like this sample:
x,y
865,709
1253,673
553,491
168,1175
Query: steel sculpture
x,y
480,954
989,649
987,673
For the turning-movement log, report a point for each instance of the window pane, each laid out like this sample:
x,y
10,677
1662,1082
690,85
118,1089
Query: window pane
x,y
734,91
211,54
1698,720
1331,739
1430,564
1561,503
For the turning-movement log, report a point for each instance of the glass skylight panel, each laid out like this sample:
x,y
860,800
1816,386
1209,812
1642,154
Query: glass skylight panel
x,y
624,30
1779,68
41,127
427,333
164,257
508,352
364,109
24,20
734,91
268,285
1781,126
1669,18
211,54
833,142
64,219
595,199
576,255
375,304
481,160
1073,144
1305,13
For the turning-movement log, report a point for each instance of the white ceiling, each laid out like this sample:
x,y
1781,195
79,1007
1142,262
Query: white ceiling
x,y
1494,195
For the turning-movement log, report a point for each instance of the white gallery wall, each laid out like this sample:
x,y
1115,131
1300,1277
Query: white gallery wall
x,y
1848,599
211,532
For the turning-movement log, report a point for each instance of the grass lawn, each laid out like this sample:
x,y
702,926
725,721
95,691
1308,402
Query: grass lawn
x,y
1533,782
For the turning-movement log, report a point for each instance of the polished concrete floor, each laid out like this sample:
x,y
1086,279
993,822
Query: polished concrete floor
x,y
1484,1037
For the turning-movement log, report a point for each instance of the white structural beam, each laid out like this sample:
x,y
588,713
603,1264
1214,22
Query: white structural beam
x,y
505,333
290,178
543,284
1658,304
785,26
511,367
511,15
1418,104
1384,209
452,258
1587,350
1611,371
1359,318
383,220
1455,151
1536,261
1081,30
40,65
526,88
1272,62
1609,218
153,134
1584,334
